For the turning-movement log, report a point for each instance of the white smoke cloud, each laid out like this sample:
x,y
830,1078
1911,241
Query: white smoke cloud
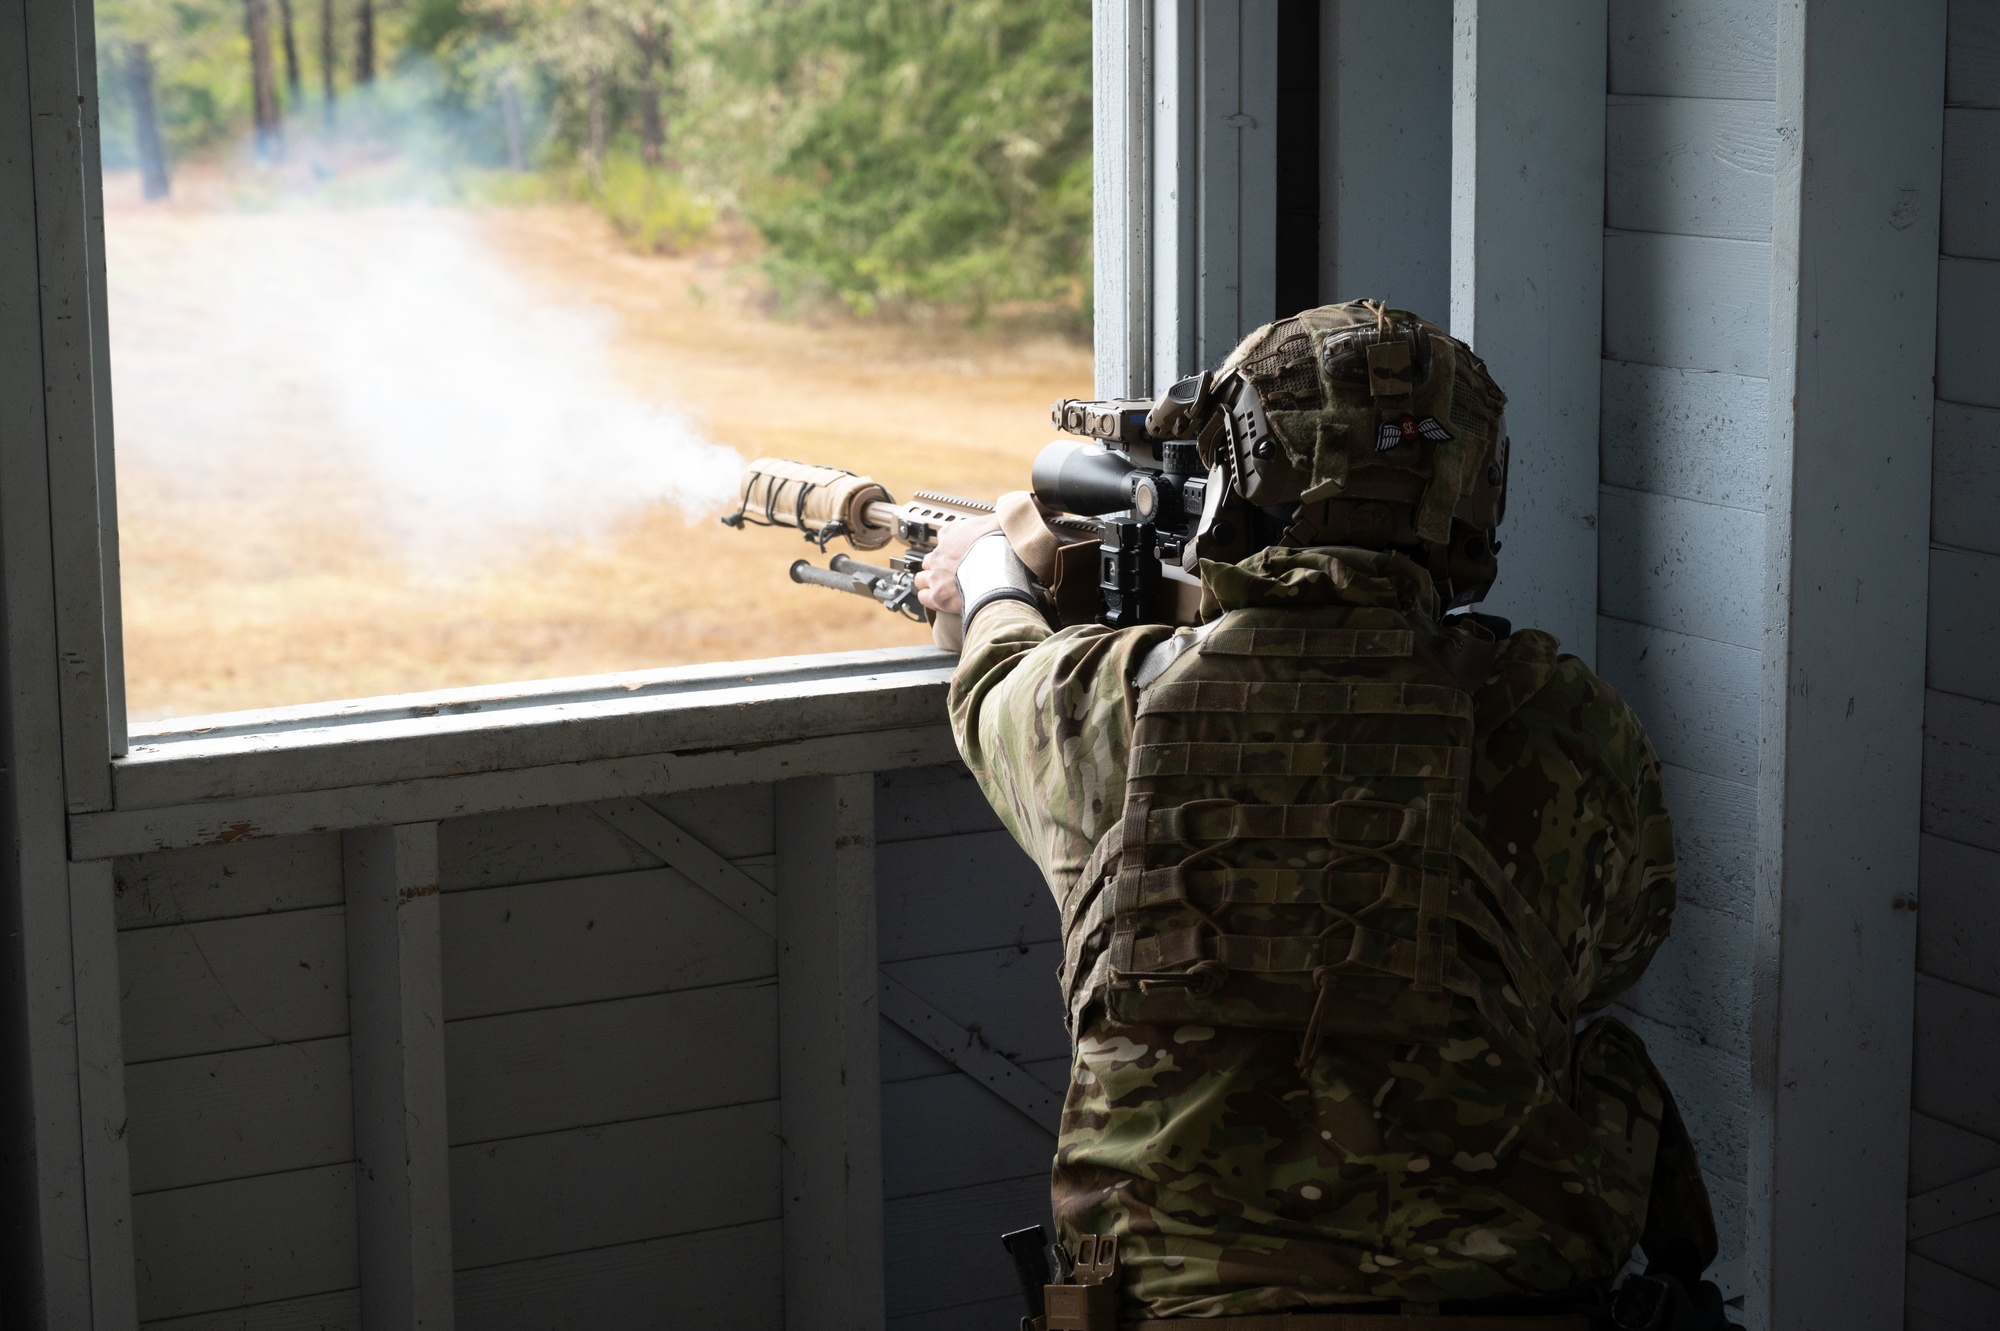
x,y
259,357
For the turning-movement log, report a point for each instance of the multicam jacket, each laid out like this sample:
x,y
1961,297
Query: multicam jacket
x,y
1465,1166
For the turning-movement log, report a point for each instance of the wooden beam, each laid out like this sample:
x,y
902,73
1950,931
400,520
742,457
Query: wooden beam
x,y
1854,283
372,804
969,1053
44,1263
676,848
60,70
1957,1204
1237,138
1527,280
1121,37
395,988
1385,154
829,1054
100,1058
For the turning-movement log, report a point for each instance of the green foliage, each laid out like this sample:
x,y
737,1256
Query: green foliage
x,y
652,209
928,150
892,153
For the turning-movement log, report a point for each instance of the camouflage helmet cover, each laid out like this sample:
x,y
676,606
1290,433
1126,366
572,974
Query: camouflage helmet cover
x,y
1371,404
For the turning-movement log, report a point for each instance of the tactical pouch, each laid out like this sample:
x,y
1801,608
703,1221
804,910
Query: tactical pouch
x,y
1087,1299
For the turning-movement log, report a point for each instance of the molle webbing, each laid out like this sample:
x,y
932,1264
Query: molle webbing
x,y
1293,852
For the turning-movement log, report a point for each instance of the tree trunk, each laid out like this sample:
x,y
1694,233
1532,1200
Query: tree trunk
x,y
263,80
146,120
595,148
364,42
327,59
291,52
656,51
510,115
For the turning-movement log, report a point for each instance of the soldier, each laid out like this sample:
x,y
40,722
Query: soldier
x,y
1339,875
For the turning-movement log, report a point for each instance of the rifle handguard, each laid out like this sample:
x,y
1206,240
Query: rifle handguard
x,y
823,502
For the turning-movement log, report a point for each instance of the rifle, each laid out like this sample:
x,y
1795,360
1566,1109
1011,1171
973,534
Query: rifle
x,y
1128,507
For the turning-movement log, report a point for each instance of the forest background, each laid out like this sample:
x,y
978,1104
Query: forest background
x,y
889,155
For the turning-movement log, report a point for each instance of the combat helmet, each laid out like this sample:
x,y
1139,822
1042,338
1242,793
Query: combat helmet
x,y
1359,425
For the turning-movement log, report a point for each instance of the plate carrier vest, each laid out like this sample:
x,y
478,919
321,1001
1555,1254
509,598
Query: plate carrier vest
x,y
1294,854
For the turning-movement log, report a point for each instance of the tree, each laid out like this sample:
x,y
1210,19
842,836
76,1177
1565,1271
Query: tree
x,y
263,81
652,30
146,120
327,47
364,42
291,50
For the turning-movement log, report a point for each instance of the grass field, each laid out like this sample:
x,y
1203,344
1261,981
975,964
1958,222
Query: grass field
x,y
275,552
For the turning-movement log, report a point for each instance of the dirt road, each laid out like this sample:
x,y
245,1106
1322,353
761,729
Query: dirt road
x,y
375,450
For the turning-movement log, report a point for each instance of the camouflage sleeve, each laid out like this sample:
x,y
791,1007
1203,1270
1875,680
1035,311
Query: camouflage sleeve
x,y
1574,794
1044,720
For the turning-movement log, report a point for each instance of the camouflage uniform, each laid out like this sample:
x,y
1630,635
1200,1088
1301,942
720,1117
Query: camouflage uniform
x,y
1466,1166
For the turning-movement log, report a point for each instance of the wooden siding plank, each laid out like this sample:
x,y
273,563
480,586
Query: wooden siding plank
x,y
1972,67
944,1247
981,1312
1699,982
684,853
1695,302
1958,1055
1715,842
960,893
1528,281
533,846
1971,1249
531,1072
539,945
246,1241
235,1115
940,1133
219,882
968,1051
338,1311
1008,996
395,970
1941,1154
1959,914
1691,434
130,830
1968,351
717,1280
906,1058
1962,769
1668,48
922,802
1952,1301
1955,1204
1965,478
829,1053
1970,226
1682,566
1690,166
1964,637
1711,1086
1698,698
233,984
618,1183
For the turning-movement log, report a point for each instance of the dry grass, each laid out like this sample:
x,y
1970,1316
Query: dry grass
x,y
248,599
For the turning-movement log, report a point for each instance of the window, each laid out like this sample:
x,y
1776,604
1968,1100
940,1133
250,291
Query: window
x,y
441,330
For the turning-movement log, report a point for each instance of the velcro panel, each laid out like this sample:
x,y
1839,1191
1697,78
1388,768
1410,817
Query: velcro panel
x,y
1392,760
1336,644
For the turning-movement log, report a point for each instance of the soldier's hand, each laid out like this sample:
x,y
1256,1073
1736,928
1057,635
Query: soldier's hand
x,y
937,580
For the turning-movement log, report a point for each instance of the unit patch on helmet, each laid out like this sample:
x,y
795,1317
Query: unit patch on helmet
x,y
1408,430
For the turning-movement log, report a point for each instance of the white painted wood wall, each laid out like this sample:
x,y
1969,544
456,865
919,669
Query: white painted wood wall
x,y
1954,1264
